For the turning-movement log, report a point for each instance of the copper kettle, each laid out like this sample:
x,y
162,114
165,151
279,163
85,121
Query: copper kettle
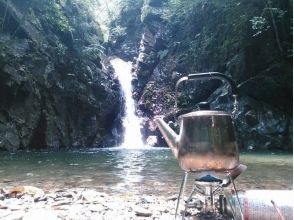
x,y
206,141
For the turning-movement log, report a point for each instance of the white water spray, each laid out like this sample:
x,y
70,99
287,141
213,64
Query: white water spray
x,y
131,123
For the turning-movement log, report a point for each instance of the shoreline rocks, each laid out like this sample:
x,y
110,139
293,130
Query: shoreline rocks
x,y
28,203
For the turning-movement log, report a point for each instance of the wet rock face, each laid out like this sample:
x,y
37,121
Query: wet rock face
x,y
147,58
53,92
208,39
152,41
177,40
125,31
261,126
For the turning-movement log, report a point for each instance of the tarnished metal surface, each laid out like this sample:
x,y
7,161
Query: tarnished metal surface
x,y
205,113
206,141
169,135
257,204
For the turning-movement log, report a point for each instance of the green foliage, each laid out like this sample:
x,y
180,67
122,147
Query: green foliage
x,y
111,11
93,51
205,34
54,15
259,24
50,12
61,49
146,10
162,54
179,9
155,3
118,30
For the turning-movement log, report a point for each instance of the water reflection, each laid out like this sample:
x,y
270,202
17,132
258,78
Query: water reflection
x,y
150,171
130,165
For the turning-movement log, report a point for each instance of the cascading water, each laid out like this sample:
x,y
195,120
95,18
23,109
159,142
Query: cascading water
x,y
131,123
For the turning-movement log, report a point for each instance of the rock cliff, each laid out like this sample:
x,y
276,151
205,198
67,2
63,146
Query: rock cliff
x,y
57,89
248,40
53,91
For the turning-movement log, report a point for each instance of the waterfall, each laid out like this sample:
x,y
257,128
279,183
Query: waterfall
x,y
131,123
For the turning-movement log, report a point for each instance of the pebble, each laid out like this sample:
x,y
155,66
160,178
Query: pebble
x,y
142,212
96,208
16,215
40,214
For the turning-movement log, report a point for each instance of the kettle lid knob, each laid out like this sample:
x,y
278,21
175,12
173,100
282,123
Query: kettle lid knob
x,y
203,106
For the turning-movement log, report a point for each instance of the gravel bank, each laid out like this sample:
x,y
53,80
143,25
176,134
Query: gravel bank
x,y
28,203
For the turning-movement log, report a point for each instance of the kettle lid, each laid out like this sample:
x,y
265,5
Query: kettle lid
x,y
205,113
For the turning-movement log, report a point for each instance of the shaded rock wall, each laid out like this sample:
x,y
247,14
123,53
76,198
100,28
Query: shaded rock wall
x,y
53,91
251,41
125,30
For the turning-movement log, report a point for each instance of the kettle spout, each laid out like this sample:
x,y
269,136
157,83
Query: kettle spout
x,y
169,135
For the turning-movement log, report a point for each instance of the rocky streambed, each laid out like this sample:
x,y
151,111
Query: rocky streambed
x,y
30,203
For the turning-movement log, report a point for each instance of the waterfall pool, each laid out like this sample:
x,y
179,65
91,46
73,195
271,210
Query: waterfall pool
x,y
151,171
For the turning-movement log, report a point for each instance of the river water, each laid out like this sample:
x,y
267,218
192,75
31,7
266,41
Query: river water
x,y
129,171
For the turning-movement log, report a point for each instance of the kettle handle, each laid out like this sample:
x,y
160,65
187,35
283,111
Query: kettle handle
x,y
215,75
208,76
